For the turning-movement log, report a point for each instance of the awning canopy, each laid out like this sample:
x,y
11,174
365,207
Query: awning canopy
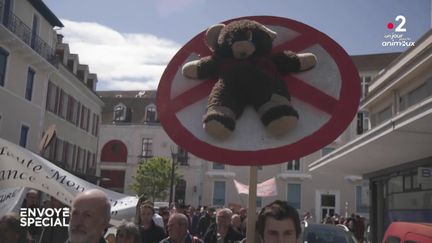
x,y
406,137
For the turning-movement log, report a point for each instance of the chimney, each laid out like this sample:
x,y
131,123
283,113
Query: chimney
x,y
59,38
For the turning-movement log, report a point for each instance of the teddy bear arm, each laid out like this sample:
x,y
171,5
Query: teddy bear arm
x,y
209,67
200,69
286,62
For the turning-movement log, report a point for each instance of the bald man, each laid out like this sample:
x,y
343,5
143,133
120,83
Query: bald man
x,y
90,216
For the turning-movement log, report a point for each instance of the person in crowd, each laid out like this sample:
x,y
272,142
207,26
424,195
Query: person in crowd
x,y
328,220
243,219
278,222
89,217
222,230
165,214
11,231
308,217
55,233
204,222
178,230
359,228
128,232
236,223
150,232
32,201
193,220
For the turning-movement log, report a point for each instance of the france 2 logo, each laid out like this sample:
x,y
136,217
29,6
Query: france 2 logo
x,y
401,20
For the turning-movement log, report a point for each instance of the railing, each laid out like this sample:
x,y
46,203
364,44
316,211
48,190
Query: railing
x,y
20,29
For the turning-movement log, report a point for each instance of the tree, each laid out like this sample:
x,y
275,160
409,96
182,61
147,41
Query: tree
x,y
153,178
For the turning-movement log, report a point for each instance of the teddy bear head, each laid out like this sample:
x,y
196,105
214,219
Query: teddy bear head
x,y
240,39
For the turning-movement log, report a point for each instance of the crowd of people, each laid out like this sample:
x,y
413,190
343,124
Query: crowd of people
x,y
90,218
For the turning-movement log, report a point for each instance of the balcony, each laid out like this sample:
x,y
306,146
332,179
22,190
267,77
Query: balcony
x,y
24,33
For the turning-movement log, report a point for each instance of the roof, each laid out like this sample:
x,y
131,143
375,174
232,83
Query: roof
x,y
128,94
135,102
374,61
46,12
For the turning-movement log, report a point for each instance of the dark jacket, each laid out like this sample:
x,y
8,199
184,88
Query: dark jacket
x,y
231,236
203,223
154,234
189,239
102,240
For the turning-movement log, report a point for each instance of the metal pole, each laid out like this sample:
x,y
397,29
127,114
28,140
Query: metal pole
x,y
173,157
251,213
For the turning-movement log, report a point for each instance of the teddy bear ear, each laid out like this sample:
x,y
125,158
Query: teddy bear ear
x,y
212,35
270,32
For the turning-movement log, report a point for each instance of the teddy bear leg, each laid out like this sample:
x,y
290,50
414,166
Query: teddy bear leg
x,y
219,122
278,115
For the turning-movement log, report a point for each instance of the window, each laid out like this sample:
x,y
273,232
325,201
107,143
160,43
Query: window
x,y
326,151
383,115
96,131
120,113
35,27
217,166
72,111
23,136
85,113
293,165
147,147
182,156
395,184
51,97
362,122
362,199
150,115
63,105
365,85
7,6
29,86
294,195
219,193
420,93
3,61
95,125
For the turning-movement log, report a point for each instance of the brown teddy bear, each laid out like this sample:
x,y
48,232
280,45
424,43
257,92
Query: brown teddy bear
x,y
247,73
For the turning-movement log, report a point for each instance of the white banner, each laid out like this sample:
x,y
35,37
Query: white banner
x,y
20,167
264,189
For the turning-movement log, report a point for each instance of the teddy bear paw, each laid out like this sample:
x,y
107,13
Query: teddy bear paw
x,y
190,69
282,125
217,130
307,61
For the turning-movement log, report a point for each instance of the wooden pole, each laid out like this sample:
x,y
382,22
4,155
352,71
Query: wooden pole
x,y
251,213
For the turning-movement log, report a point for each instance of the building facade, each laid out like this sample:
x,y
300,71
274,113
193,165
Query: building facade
x,y
392,150
130,134
43,84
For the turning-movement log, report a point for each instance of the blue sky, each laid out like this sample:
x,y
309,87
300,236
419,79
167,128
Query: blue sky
x,y
129,43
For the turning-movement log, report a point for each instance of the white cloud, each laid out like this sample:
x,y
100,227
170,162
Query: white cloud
x,y
121,61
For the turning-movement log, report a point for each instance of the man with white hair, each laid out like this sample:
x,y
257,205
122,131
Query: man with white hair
x,y
222,231
178,230
90,216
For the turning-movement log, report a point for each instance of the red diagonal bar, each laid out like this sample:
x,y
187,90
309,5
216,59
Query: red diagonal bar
x,y
311,95
297,44
192,95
